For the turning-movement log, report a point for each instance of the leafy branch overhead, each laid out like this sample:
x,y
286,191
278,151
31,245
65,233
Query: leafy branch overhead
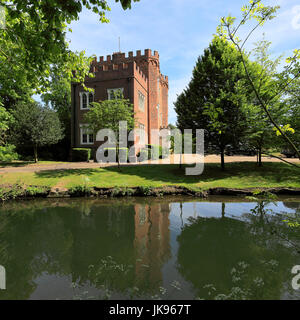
x,y
34,37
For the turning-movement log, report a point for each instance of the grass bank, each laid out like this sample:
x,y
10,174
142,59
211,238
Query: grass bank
x,y
236,175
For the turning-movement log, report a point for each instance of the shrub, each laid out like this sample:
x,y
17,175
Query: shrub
x,y
81,154
80,190
145,191
37,191
118,192
123,154
7,153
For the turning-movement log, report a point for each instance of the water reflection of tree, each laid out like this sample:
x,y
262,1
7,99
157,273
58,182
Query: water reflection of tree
x,y
59,241
209,248
66,239
292,205
267,224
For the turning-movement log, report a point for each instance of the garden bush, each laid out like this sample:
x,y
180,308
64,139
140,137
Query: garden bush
x,y
81,154
7,153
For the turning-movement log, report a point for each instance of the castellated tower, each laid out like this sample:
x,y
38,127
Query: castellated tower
x,y
138,77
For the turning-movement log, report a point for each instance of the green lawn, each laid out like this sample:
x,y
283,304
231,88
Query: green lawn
x,y
26,163
237,175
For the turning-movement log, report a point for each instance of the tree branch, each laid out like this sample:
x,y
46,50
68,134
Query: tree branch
x,y
290,142
290,163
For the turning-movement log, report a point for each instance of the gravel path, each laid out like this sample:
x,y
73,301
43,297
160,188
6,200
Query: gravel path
x,y
188,159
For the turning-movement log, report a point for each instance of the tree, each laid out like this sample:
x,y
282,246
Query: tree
x,y
228,29
259,130
107,114
7,151
213,100
35,126
6,120
15,83
292,117
34,38
58,98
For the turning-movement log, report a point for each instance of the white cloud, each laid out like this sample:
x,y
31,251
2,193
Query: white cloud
x,y
296,18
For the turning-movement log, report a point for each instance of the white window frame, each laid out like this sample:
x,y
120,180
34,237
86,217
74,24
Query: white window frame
x,y
114,90
87,94
82,128
144,100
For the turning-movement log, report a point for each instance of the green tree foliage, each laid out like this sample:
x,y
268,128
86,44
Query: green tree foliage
x,y
6,119
7,151
213,99
259,130
292,117
58,97
255,15
107,114
14,78
34,38
35,126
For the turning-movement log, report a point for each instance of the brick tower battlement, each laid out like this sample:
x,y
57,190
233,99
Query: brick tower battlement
x,y
121,56
139,78
119,61
115,71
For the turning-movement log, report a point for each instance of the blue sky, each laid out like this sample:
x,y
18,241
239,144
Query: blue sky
x,y
179,30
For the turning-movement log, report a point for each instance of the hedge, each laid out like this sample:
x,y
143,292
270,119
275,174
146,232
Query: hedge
x,y
81,154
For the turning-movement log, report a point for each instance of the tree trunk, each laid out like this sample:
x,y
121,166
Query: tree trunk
x,y
35,154
118,156
223,210
181,213
222,159
259,157
180,160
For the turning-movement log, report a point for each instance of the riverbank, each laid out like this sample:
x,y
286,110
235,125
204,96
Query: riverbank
x,y
31,192
243,178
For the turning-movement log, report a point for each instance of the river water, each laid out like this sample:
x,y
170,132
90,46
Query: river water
x,y
149,248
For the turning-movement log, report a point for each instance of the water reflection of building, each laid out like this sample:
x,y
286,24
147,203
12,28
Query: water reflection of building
x,y
152,243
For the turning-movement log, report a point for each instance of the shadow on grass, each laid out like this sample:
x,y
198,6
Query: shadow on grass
x,y
64,173
169,173
15,164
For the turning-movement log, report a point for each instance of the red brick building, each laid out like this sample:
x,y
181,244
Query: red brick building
x,y
140,80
